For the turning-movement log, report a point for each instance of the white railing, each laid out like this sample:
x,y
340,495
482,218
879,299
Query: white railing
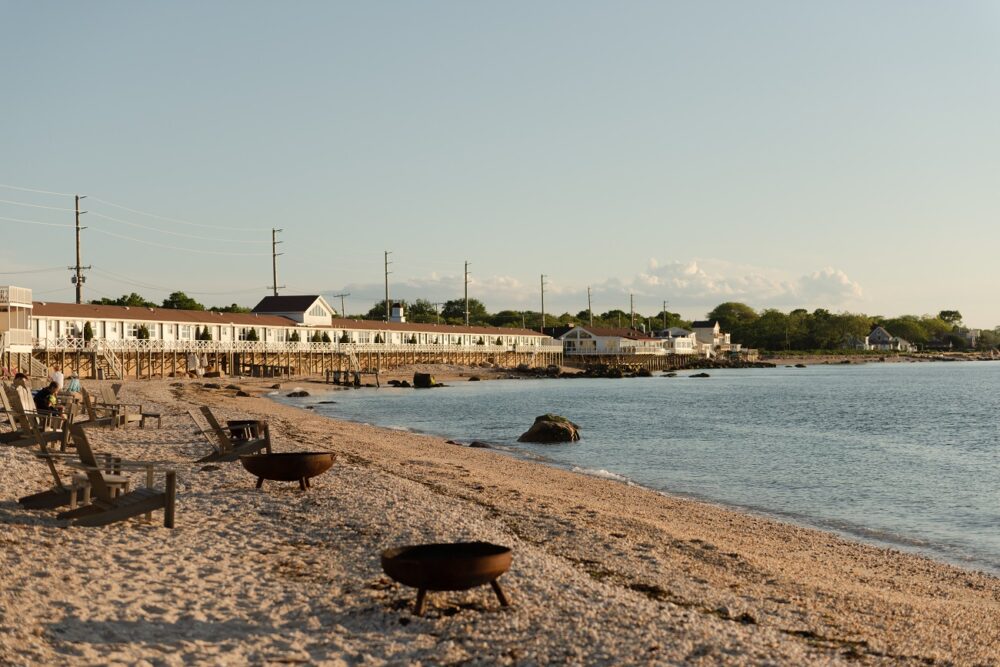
x,y
623,352
20,296
214,346
14,337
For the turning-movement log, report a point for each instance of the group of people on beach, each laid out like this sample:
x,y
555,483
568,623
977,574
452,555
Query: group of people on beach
x,y
46,399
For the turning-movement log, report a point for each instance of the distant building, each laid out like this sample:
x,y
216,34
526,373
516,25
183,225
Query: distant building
x,y
588,340
881,339
676,340
711,339
307,309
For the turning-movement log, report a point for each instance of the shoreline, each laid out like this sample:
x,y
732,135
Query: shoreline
x,y
856,532
604,573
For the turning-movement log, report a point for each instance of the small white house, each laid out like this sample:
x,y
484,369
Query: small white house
x,y
676,340
310,309
881,339
711,338
15,320
583,340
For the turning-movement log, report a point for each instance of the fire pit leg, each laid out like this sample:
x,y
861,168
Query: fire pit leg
x,y
418,608
504,602
260,482
302,483
308,483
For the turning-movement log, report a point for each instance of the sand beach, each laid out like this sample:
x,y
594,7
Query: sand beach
x,y
603,573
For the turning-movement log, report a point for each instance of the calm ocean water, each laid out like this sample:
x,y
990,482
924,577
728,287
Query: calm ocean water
x,y
904,455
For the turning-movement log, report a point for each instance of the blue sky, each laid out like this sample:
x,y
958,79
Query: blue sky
x,y
842,155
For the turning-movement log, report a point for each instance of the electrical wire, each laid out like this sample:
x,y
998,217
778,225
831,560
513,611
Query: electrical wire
x,y
36,222
180,222
51,208
172,247
6,273
135,283
41,192
164,231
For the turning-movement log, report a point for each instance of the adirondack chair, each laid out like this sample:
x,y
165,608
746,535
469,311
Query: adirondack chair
x,y
127,412
31,426
15,436
78,489
227,449
97,413
106,507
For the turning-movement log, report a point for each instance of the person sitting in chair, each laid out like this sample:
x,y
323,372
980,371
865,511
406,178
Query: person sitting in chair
x,y
46,401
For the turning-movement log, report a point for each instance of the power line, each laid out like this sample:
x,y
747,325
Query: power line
x,y
171,247
165,231
118,278
21,203
41,192
5,273
176,220
36,222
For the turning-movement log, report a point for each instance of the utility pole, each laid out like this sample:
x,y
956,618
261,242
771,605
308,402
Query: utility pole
x,y
437,309
274,259
631,306
542,330
524,324
78,278
467,293
664,314
387,306
590,310
343,310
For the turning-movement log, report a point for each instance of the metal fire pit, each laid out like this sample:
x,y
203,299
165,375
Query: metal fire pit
x,y
288,466
448,567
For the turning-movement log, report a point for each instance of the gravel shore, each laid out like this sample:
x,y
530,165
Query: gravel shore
x,y
604,573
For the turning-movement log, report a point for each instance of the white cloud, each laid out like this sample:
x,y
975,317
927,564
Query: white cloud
x,y
692,287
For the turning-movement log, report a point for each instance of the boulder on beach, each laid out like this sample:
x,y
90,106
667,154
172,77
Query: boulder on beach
x,y
474,378
670,375
551,428
476,444
800,365
243,394
298,394
644,373
423,381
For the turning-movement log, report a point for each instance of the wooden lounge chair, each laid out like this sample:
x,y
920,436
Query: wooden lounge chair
x,y
106,507
127,412
227,449
97,413
78,488
31,426
15,436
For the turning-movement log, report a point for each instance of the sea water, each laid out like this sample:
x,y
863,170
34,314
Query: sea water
x,y
901,454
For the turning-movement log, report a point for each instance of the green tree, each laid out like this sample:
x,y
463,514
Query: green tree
x,y
377,312
88,332
950,316
232,308
345,338
142,333
132,300
734,317
294,338
507,318
181,301
206,333
252,335
422,311
316,338
325,338
453,312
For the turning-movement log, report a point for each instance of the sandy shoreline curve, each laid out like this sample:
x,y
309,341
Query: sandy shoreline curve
x,y
604,573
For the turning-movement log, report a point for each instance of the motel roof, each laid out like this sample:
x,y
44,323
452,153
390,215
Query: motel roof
x,y
87,311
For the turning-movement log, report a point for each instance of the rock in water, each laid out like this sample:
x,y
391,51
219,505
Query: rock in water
x,y
298,394
423,380
699,375
551,428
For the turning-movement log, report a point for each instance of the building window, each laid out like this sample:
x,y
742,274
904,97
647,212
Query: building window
x,y
186,333
318,310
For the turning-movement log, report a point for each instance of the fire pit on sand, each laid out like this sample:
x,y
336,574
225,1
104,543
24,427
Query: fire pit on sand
x,y
448,567
288,466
